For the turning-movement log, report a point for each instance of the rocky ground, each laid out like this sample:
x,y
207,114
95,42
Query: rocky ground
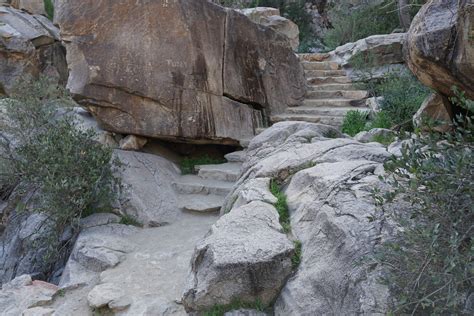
x,y
183,244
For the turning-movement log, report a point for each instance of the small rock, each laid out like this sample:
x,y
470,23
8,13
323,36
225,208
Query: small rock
x,y
38,311
103,294
133,142
245,312
99,219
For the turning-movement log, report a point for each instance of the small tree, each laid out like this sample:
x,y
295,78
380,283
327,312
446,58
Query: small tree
x,y
429,264
44,151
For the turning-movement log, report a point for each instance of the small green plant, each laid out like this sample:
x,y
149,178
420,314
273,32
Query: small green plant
x,y
281,205
296,259
130,220
220,310
49,8
188,165
354,122
429,263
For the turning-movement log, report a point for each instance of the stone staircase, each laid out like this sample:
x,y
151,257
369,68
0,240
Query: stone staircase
x,y
330,95
205,192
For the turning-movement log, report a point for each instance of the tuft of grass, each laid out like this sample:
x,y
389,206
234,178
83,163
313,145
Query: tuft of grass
x,y
188,165
384,139
281,205
296,259
354,122
220,310
49,8
129,220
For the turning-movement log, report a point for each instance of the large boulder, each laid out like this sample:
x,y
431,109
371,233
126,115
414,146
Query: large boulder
x,y
381,53
328,183
271,18
147,194
245,257
440,46
191,71
29,46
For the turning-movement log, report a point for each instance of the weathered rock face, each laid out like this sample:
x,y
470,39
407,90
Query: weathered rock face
x,y
190,71
381,52
31,6
245,257
271,18
436,108
25,240
147,194
29,46
22,296
440,46
328,184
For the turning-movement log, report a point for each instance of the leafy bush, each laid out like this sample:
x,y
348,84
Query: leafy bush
x,y
49,8
354,122
429,264
72,173
351,25
403,95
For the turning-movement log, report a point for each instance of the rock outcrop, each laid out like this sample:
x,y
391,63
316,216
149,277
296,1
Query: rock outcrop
x,y
436,108
380,53
30,6
29,46
440,46
328,183
246,257
23,296
147,194
191,71
270,17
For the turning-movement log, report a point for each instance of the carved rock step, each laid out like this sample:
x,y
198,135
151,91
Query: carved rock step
x,y
325,73
201,203
337,94
223,172
332,102
324,111
331,87
324,80
236,156
327,120
192,184
324,65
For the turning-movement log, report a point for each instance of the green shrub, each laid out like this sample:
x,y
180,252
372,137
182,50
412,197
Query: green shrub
x,y
351,25
188,165
72,173
49,8
403,95
354,122
429,264
380,120
281,205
